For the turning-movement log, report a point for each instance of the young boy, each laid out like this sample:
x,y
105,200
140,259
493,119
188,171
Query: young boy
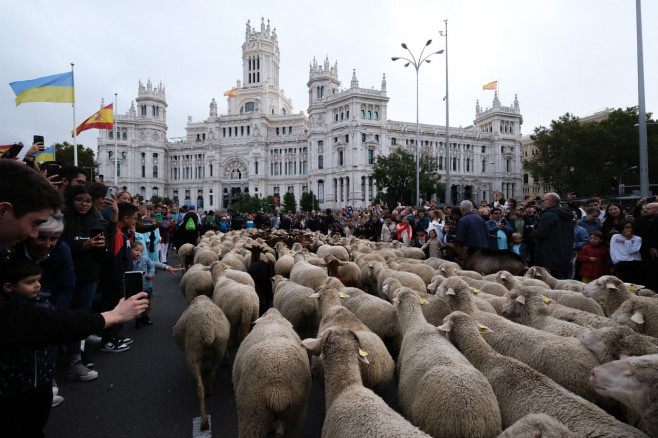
x,y
28,372
520,248
595,258
142,263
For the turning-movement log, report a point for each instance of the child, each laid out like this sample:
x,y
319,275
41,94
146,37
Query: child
x,y
421,238
28,373
147,266
434,244
594,257
520,248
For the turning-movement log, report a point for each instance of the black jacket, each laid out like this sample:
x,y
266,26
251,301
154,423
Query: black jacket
x,y
554,239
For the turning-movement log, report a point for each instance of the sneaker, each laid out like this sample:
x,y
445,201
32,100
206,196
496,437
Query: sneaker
x,y
57,400
114,346
126,341
85,360
94,339
77,371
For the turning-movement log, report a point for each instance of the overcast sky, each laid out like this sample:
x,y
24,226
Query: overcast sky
x,y
558,56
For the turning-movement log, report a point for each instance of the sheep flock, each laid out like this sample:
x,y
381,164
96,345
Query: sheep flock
x,y
469,355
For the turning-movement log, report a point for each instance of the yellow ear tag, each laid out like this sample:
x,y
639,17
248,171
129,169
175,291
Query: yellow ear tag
x,y
632,288
517,280
454,269
342,296
475,292
422,301
483,329
226,267
547,300
362,353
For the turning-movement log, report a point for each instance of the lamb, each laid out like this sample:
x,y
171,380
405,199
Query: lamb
x,y
613,343
271,379
544,275
295,303
196,281
634,382
202,331
186,255
438,389
238,301
543,351
413,252
426,273
352,409
434,308
306,274
538,425
379,374
489,287
520,390
533,310
640,314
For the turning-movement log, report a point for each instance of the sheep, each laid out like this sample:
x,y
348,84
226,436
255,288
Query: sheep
x,y
575,300
433,262
613,343
413,253
186,255
434,308
438,389
379,374
271,379
426,273
284,264
448,269
407,279
261,272
295,303
543,351
510,281
239,276
470,274
377,314
306,274
204,257
640,314
202,331
340,252
538,425
609,291
544,275
352,409
238,301
634,382
196,281
486,286
521,390
235,261
333,266
533,310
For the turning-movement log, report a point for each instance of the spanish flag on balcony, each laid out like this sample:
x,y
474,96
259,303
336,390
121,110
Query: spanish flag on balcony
x,y
102,119
231,93
55,88
491,86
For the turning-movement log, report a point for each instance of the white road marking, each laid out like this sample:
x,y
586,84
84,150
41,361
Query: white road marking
x,y
196,428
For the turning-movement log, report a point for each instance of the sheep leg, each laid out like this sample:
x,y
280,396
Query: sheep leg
x,y
200,391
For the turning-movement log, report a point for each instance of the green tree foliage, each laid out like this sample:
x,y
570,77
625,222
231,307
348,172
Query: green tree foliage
x,y
309,202
589,156
167,201
253,204
396,175
155,199
289,203
86,157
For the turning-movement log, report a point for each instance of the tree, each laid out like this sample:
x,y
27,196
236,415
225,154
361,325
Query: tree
x,y
309,202
589,156
86,157
167,201
155,199
289,203
396,174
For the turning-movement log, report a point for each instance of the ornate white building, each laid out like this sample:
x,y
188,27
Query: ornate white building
x,y
260,147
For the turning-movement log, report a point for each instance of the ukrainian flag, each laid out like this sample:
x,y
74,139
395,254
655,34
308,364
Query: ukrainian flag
x,y
48,154
55,88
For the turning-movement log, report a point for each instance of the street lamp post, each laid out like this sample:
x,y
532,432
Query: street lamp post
x,y
417,63
448,200
619,179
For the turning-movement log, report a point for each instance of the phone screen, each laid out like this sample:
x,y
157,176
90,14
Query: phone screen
x,y
133,283
158,217
38,139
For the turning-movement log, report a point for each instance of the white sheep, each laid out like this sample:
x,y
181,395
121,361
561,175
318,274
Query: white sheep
x,y
640,314
434,308
438,389
235,261
634,382
204,256
510,281
306,274
544,275
568,298
521,390
536,426
609,291
202,332
352,409
295,303
426,273
338,251
196,281
613,343
271,379
489,287
186,255
407,279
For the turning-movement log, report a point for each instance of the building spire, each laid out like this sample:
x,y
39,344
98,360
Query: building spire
x,y
384,82
355,81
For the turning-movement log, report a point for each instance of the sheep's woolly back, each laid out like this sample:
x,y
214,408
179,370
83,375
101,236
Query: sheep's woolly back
x,y
538,425
240,304
196,281
306,274
295,303
609,343
271,378
640,314
186,255
204,257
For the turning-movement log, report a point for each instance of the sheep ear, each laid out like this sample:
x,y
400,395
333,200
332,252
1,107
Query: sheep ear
x,y
610,285
537,274
482,329
312,346
521,299
638,318
363,356
446,327
450,291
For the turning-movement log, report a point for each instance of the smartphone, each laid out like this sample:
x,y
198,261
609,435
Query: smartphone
x,y
158,217
111,191
133,283
53,169
13,151
39,139
95,232
140,198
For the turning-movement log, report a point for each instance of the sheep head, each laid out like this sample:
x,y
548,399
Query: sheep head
x,y
333,339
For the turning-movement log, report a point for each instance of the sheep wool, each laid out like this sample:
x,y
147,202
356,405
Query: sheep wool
x,y
610,343
295,303
538,425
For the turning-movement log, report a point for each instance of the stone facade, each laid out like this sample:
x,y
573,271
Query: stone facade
x,y
262,148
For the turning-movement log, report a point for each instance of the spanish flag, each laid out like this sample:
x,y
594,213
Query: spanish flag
x,y
55,88
231,93
103,119
491,86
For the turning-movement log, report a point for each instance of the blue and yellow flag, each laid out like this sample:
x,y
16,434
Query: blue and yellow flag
x,y
55,88
47,154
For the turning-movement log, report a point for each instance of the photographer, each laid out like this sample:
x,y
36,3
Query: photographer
x,y
500,231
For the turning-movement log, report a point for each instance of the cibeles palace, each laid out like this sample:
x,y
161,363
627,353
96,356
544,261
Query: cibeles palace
x,y
262,147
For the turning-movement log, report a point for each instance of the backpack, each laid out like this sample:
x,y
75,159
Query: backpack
x,y
223,227
190,225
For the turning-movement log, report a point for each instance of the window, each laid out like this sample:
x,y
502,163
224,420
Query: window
x,y
154,191
371,156
249,107
341,155
363,113
336,118
393,141
305,167
277,131
143,110
290,168
156,111
484,149
290,130
484,165
155,157
155,171
342,116
284,130
255,168
370,114
291,189
525,178
440,163
143,171
377,138
110,154
125,135
320,162
118,169
363,138
110,134
320,143
347,115
320,190
210,169
376,115
347,138
468,165
224,132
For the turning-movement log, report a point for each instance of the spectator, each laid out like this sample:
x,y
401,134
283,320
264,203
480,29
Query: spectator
x,y
421,238
166,230
596,202
554,236
580,239
373,229
518,247
190,226
150,239
591,220
404,231
423,222
625,253
646,226
388,229
612,220
71,176
471,229
499,231
437,222
433,245
594,258
250,222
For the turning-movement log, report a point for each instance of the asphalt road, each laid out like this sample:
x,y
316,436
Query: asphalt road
x,y
147,390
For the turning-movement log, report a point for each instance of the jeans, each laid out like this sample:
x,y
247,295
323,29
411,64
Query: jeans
x,y
82,299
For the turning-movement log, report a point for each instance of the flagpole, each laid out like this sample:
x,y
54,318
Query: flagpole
x,y
116,142
75,136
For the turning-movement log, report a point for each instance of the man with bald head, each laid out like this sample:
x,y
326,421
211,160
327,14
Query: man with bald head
x,y
553,235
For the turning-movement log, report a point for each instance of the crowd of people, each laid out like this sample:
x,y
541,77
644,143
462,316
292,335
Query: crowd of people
x,y
66,245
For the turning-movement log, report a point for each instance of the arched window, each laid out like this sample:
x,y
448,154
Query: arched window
x,y
110,134
125,135
154,191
